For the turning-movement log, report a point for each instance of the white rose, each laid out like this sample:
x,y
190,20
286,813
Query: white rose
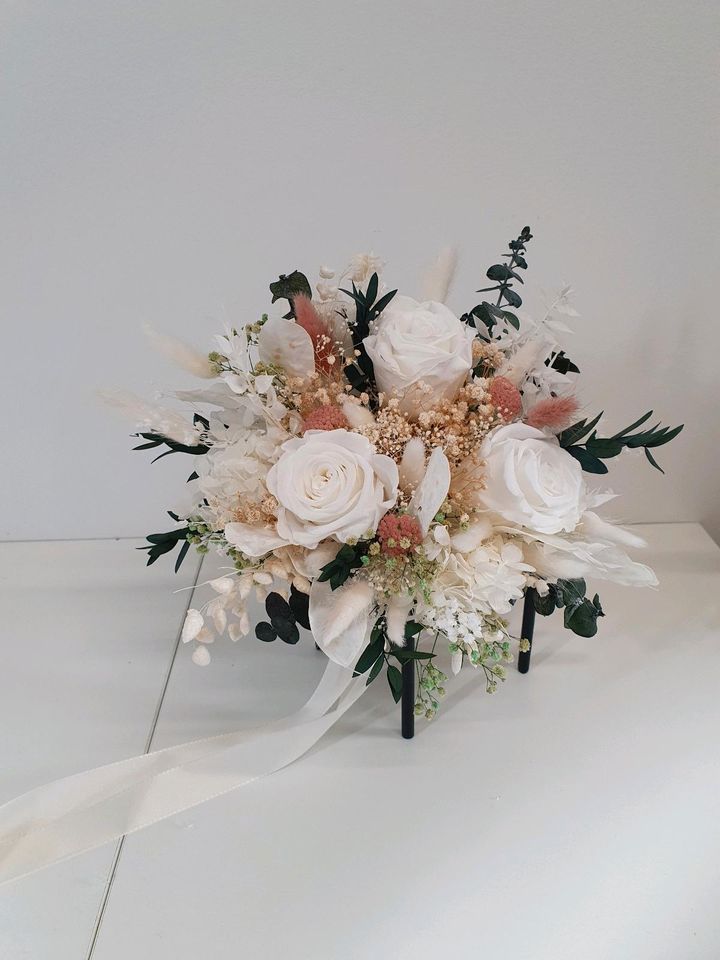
x,y
419,342
531,481
331,483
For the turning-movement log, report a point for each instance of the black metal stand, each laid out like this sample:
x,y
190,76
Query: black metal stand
x,y
407,701
528,628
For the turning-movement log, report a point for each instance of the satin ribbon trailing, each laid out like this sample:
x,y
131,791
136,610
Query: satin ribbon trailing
x,y
76,814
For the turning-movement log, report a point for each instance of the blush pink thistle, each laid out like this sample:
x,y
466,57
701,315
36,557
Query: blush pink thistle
x,y
398,534
554,413
327,417
505,396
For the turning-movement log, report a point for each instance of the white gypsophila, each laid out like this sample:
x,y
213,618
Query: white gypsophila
x,y
530,480
234,469
331,483
415,344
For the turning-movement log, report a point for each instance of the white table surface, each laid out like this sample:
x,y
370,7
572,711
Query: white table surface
x,y
573,816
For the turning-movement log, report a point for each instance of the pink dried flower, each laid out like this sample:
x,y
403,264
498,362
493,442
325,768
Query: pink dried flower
x,y
554,413
505,396
307,317
398,534
327,417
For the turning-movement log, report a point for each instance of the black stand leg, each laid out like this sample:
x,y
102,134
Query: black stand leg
x,y
407,701
528,627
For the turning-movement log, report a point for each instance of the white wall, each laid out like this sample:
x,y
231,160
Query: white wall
x,y
163,161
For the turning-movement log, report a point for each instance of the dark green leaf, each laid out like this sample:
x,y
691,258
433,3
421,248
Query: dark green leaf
x,y
181,556
587,461
571,591
405,655
289,286
605,449
653,461
633,425
265,632
514,299
544,605
375,670
383,302
369,655
277,607
300,605
395,680
499,271
582,619
664,436
412,629
577,431
286,629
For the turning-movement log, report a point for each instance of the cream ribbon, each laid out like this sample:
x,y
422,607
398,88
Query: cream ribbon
x,y
78,813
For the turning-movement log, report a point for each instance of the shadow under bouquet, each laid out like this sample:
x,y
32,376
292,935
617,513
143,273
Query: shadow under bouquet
x,y
393,477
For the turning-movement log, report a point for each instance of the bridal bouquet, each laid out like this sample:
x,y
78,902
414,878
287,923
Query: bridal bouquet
x,y
393,477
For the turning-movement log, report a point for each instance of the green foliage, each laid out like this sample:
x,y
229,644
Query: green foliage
x,y
395,681
582,442
491,315
155,440
283,620
360,373
161,543
579,614
562,363
300,607
348,558
288,286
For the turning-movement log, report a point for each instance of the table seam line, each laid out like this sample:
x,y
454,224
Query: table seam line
x,y
100,916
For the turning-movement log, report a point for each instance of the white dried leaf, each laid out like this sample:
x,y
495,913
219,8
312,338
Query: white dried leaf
x,y
222,584
431,491
201,656
192,626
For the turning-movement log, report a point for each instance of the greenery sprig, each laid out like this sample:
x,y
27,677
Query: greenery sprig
x,y
582,442
580,614
162,543
284,617
367,309
489,314
348,558
375,656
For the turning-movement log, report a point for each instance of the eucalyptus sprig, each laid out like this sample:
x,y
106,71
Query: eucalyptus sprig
x,y
582,442
503,274
580,614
